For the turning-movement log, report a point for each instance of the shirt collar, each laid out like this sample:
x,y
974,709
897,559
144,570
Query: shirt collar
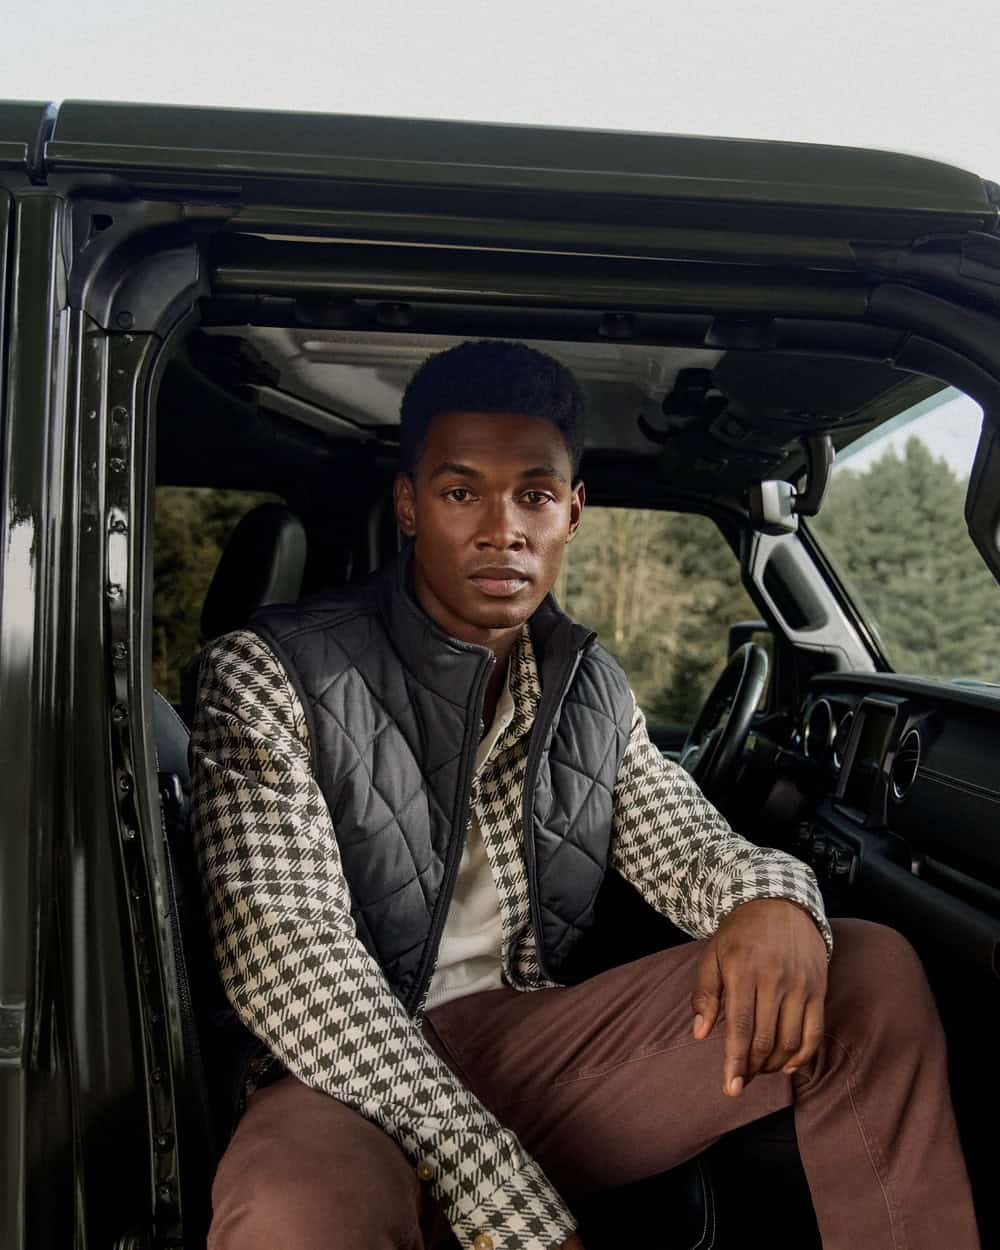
x,y
525,690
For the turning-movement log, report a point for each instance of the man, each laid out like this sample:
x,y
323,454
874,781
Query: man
x,y
405,798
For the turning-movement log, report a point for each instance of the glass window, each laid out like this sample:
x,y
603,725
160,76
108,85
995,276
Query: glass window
x,y
661,589
192,525
893,525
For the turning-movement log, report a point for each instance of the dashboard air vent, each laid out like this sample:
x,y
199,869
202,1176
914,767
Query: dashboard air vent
x,y
906,764
843,737
819,731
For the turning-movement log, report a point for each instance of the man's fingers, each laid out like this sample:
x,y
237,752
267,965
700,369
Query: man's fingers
x,y
739,1034
812,1035
707,993
788,1038
767,1010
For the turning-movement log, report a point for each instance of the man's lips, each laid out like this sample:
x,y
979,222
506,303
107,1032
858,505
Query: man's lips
x,y
500,581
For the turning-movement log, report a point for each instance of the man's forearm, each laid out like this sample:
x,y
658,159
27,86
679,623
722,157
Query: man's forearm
x,y
683,857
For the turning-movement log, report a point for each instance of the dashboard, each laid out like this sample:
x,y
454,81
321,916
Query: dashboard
x,y
902,776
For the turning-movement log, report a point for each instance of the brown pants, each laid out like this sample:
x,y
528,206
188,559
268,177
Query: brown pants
x,y
603,1084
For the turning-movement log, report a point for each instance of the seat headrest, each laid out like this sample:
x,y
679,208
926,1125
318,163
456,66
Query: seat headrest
x,y
262,562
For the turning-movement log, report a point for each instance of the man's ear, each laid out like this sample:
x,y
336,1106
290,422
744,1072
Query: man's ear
x,y
577,500
405,504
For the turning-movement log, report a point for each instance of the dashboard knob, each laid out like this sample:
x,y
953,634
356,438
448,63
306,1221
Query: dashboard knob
x,y
841,864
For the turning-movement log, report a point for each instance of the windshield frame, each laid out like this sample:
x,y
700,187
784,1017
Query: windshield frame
x,y
828,571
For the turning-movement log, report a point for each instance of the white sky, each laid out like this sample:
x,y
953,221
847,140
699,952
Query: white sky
x,y
913,76
949,424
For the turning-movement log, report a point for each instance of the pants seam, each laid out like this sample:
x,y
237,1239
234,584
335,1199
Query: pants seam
x,y
587,1074
592,1074
875,1157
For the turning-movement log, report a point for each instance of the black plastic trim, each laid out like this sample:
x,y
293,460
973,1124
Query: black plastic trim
x,y
917,687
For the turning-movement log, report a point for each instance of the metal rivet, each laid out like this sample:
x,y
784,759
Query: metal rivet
x,y
119,527
124,320
116,464
164,1141
114,590
119,651
119,413
125,784
136,895
165,1192
128,833
119,713
156,1076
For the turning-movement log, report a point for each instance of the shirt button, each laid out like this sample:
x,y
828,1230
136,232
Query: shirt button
x,y
424,1170
483,1242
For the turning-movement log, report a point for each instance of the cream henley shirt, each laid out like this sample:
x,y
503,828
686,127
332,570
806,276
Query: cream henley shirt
x,y
469,953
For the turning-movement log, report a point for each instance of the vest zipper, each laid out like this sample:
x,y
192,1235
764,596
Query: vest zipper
x,y
457,842
550,703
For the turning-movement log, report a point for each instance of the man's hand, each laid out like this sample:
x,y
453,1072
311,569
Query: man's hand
x,y
769,960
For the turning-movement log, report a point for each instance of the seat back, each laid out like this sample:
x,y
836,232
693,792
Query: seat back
x,y
263,562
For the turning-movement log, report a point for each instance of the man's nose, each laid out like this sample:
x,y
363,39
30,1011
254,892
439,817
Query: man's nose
x,y
500,527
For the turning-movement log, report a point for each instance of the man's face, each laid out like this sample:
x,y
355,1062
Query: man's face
x,y
491,507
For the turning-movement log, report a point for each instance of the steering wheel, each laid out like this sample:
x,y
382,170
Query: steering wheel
x,y
717,738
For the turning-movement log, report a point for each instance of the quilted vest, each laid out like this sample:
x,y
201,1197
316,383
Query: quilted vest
x,y
394,709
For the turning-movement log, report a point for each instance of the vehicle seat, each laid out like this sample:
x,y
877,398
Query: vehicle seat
x,y
262,562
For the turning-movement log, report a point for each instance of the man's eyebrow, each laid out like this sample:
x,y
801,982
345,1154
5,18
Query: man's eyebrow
x,y
545,470
460,470
465,470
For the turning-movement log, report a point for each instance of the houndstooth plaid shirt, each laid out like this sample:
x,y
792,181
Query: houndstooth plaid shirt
x,y
296,973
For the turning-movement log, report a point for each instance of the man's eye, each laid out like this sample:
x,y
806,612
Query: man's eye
x,y
460,494
537,496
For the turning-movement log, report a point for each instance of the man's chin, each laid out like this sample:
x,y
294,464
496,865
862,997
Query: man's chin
x,y
505,615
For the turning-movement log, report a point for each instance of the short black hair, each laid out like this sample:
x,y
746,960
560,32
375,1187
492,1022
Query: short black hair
x,y
490,376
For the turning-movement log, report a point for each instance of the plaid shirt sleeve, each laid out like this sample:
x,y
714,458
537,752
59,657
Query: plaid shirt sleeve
x,y
682,856
298,976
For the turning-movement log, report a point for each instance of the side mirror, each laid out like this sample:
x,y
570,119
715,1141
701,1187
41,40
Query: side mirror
x,y
744,631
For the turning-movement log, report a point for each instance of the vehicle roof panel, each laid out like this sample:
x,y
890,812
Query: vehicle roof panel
x,y
417,152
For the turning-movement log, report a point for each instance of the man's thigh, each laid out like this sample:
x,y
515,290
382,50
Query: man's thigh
x,y
304,1170
603,1082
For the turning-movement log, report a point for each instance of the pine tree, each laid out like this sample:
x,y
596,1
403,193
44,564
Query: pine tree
x,y
897,534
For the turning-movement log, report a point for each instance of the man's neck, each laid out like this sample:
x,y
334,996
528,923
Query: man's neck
x,y
495,688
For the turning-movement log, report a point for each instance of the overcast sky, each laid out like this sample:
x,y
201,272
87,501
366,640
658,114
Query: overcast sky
x,y
916,77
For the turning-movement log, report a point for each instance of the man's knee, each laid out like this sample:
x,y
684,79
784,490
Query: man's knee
x,y
322,1179
876,974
